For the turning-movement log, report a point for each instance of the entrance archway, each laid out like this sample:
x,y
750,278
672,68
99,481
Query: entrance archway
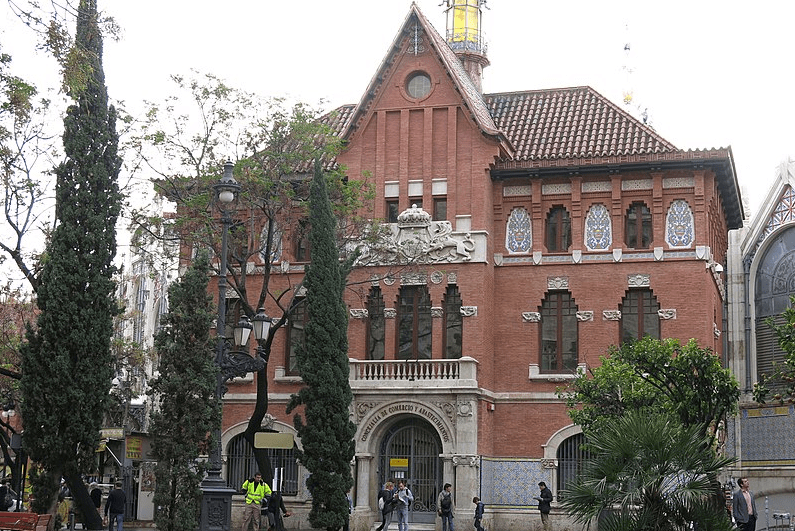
x,y
410,452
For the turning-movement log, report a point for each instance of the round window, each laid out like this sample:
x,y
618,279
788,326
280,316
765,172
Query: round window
x,y
419,85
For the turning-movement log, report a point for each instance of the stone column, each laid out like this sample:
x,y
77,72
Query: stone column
x,y
362,514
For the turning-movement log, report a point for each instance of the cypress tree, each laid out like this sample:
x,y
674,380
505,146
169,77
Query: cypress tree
x,y
184,391
326,430
67,364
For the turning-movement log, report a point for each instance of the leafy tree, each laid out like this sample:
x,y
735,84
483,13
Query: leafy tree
x,y
779,385
276,147
649,473
327,431
67,358
655,376
184,393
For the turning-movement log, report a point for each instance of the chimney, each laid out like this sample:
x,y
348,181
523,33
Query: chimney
x,y
465,39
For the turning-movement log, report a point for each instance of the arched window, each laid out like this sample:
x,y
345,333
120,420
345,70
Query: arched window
x,y
639,231
639,315
375,324
571,459
414,323
558,333
453,324
241,465
774,282
558,230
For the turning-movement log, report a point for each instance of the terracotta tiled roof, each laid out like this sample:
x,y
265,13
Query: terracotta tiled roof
x,y
570,123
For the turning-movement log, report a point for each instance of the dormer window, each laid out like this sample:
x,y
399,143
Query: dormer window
x,y
418,85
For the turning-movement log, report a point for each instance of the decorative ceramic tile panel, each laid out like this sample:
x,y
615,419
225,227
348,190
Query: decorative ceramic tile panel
x,y
552,189
766,435
598,228
599,186
636,184
678,182
517,191
504,481
519,232
679,231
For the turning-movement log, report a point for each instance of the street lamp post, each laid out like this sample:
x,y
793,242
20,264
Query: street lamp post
x,y
216,506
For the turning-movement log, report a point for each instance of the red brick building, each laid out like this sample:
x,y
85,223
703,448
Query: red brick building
x,y
530,231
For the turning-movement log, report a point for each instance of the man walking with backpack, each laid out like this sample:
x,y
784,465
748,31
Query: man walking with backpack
x,y
445,504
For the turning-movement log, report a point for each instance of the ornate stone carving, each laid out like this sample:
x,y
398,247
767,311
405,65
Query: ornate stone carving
x,y
412,278
437,311
466,460
597,186
585,315
268,421
518,190
416,239
374,280
465,409
531,317
469,311
611,315
715,330
558,188
389,280
390,313
667,314
449,411
452,277
548,464
639,280
557,283
362,408
359,313
437,277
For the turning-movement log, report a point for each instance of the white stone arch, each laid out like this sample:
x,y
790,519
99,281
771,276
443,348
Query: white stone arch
x,y
374,420
750,303
550,459
237,429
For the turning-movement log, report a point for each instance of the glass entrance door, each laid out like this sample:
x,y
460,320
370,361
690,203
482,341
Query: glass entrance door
x,y
410,452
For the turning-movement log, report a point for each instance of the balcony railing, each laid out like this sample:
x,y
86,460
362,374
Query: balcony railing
x,y
414,373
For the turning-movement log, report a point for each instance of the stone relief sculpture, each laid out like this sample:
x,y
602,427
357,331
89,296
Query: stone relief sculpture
x,y
415,239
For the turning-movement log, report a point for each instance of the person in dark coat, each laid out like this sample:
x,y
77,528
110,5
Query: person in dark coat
x,y
544,501
115,507
274,506
96,495
387,494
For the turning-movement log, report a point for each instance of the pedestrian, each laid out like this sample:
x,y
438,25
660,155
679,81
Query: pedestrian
x,y
445,504
385,503
114,506
744,507
255,490
478,513
5,501
273,508
405,499
95,493
543,504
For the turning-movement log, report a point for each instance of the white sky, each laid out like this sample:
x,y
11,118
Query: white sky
x,y
711,73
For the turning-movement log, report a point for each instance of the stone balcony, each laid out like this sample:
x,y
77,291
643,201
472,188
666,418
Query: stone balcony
x,y
392,375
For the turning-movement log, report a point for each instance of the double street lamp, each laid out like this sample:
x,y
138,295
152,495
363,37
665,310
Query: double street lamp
x,y
216,506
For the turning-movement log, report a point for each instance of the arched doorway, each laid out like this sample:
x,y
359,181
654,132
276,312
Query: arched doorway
x,y
410,451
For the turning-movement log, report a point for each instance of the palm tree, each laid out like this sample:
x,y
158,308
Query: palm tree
x,y
649,474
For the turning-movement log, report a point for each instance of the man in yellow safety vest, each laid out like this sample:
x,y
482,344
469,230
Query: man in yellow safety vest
x,y
255,490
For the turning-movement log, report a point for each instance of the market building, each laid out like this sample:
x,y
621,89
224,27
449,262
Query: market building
x,y
761,280
530,231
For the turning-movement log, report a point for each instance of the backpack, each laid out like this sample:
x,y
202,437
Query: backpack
x,y
447,503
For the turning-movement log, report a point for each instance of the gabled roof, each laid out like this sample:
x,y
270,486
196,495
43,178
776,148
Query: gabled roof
x,y
470,96
553,130
776,211
568,123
